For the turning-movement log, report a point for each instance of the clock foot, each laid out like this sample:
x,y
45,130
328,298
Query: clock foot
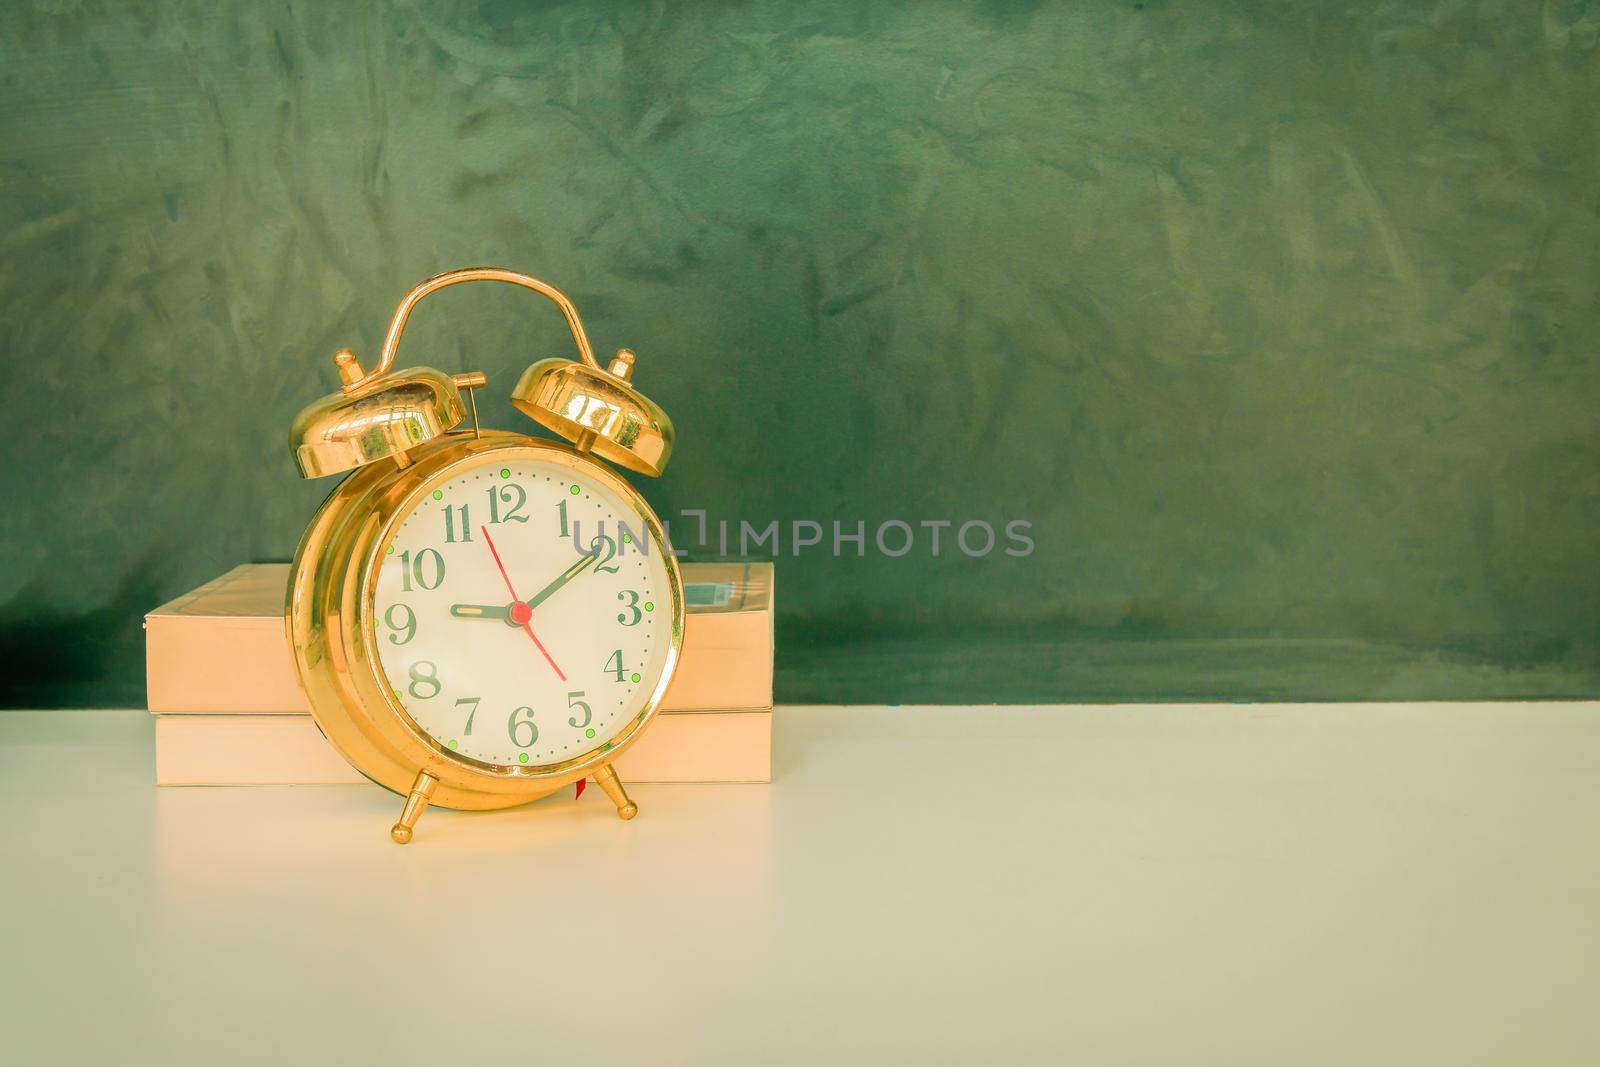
x,y
606,778
421,793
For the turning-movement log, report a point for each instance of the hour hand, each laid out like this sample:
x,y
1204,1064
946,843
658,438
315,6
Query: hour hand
x,y
507,612
500,612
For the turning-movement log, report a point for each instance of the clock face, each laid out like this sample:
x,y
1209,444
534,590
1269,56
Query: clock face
x,y
523,613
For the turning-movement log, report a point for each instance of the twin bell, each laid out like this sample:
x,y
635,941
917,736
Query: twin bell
x,y
383,413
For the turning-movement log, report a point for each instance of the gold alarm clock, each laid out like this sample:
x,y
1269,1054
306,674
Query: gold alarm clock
x,y
479,618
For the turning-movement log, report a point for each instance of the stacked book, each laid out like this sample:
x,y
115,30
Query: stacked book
x,y
229,711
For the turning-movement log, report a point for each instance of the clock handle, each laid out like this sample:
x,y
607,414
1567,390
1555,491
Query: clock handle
x,y
606,776
397,325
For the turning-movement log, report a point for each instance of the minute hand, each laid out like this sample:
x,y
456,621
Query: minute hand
x,y
562,579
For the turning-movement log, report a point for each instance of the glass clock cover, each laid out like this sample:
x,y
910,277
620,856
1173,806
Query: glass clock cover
x,y
522,614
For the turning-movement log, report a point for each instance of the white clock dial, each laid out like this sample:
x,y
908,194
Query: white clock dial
x,y
523,612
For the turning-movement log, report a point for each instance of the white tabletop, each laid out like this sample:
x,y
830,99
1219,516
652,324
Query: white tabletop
x,y
1368,884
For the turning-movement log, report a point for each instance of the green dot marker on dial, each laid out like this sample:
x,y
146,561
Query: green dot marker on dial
x,y
636,677
588,733
626,538
452,743
438,494
391,550
522,757
505,472
576,490
649,605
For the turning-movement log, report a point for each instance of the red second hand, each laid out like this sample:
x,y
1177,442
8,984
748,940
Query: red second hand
x,y
525,613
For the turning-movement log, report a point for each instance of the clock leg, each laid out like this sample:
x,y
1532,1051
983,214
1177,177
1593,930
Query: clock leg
x,y
421,793
607,779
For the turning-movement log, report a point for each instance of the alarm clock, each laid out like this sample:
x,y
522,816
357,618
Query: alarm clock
x,y
480,617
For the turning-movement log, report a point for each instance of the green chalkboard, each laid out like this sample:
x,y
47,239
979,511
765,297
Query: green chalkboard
x,y
1277,323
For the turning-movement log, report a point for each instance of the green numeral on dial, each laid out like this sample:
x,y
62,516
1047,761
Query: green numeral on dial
x,y
506,493
419,569
450,524
424,680
471,714
574,702
514,724
619,670
409,625
632,606
607,545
